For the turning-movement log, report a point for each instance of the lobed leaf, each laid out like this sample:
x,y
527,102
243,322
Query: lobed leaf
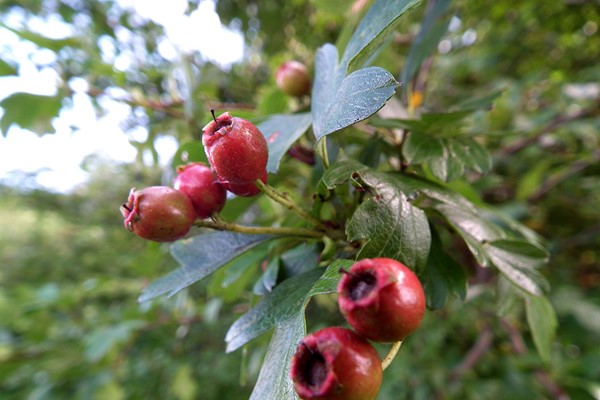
x,y
518,260
200,256
360,95
324,85
381,19
283,309
543,323
442,277
391,225
273,381
286,301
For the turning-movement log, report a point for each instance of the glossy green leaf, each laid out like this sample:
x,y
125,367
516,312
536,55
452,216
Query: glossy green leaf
x,y
277,307
268,279
419,147
324,84
449,166
442,276
434,26
29,111
199,259
286,301
381,19
474,155
390,224
543,323
518,262
341,172
360,95
281,131
274,381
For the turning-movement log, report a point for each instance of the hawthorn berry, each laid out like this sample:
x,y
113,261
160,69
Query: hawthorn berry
x,y
237,151
199,183
382,299
335,363
158,213
292,77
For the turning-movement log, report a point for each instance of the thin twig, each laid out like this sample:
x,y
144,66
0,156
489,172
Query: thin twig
x,y
257,230
573,169
285,200
559,120
520,348
479,349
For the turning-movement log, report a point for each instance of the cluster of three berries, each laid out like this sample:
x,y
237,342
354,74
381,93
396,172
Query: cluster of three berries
x,y
383,301
237,152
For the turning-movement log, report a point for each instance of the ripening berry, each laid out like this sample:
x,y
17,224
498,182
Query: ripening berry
x,y
158,213
237,151
292,77
199,183
336,364
382,299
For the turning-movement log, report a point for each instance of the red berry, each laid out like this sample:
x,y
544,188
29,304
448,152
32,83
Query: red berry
x,y
336,364
158,213
292,77
381,299
237,152
245,189
198,182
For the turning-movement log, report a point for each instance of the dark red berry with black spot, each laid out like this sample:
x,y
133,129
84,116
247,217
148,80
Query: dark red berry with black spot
x,y
158,213
382,299
237,152
200,184
336,364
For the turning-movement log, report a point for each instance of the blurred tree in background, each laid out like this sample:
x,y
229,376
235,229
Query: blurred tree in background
x,y
70,323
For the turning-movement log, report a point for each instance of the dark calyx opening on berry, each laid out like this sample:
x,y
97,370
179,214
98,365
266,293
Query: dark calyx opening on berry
x,y
360,285
313,369
222,121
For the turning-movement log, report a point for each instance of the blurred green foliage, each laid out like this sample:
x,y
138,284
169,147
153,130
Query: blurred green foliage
x,y
70,325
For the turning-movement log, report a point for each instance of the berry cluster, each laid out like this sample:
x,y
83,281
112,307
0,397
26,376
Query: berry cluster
x,y
237,152
383,301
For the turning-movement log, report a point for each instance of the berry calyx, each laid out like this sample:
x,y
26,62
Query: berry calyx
x,y
237,152
199,183
158,213
382,299
292,77
336,364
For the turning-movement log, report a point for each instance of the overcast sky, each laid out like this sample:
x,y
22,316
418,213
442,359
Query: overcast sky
x,y
59,155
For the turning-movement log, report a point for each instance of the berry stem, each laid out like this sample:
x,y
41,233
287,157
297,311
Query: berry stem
x,y
324,154
284,200
387,360
221,225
